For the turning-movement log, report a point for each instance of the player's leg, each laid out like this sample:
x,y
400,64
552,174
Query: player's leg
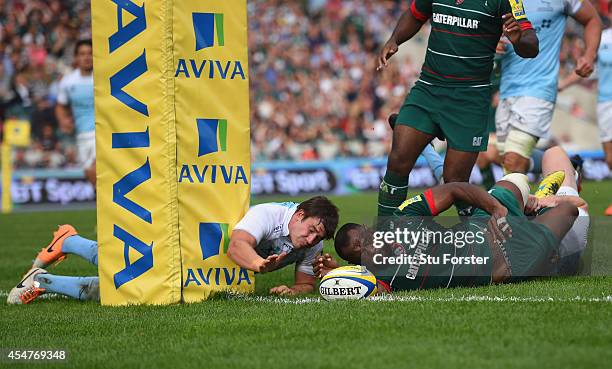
x,y
407,145
433,158
518,148
521,122
90,173
458,165
86,153
38,281
604,119
559,220
607,147
413,130
66,241
486,160
80,288
556,159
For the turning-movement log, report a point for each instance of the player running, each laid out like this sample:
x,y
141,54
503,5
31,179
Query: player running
x,y
505,245
269,237
75,108
453,94
529,87
604,95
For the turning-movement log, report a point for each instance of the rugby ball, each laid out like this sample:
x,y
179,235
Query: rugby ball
x,y
348,283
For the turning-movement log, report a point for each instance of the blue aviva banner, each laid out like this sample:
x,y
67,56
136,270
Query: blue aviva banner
x,y
172,138
213,152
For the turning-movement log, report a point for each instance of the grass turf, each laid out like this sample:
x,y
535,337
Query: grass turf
x,y
534,324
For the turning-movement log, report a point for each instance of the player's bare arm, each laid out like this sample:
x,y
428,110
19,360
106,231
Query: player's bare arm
x,y
406,28
445,196
588,17
241,250
64,118
524,41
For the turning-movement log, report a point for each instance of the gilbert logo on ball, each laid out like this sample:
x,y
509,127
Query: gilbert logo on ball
x,y
348,283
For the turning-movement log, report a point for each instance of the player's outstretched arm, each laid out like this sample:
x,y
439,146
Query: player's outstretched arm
x,y
444,196
407,26
522,36
241,250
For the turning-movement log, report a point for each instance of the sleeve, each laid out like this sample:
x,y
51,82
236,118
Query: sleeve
x,y
419,205
258,222
571,7
62,92
305,266
421,9
517,9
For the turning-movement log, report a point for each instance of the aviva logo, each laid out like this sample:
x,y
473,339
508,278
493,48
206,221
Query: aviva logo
x,y
212,236
204,27
212,135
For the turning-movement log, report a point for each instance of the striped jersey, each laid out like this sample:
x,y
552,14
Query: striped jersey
x,y
538,77
464,35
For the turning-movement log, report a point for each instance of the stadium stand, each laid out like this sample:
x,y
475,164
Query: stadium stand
x,y
314,93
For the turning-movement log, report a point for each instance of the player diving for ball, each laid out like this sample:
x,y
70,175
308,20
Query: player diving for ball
x,y
269,237
453,94
513,248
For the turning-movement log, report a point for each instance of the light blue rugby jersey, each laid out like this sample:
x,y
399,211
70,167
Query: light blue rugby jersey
x,y
604,66
77,91
538,77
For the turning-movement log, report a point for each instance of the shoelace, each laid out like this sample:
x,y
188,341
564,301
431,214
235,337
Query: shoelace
x,y
30,294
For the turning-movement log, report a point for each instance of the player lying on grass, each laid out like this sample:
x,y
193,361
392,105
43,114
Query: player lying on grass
x,y
269,237
511,247
453,94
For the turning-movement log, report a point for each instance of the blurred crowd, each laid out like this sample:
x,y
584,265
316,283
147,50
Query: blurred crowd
x,y
314,91
37,40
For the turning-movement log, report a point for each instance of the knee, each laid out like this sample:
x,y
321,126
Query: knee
x,y
569,210
515,163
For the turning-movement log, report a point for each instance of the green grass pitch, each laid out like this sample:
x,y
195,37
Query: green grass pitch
x,y
552,323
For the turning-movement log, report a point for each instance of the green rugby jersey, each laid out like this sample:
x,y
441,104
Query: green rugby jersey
x,y
464,34
438,271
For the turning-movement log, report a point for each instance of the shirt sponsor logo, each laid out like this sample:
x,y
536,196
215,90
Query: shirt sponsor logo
x,y
452,20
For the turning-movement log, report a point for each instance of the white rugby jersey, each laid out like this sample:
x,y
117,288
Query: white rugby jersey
x,y
269,225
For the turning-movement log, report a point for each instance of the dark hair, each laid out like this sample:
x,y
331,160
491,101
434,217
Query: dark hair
x,y
322,208
84,42
343,239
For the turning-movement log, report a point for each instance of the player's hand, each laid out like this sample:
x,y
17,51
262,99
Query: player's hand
x,y
549,202
498,225
511,28
386,53
281,291
584,66
533,205
270,263
502,46
323,264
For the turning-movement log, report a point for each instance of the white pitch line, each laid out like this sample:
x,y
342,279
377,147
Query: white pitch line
x,y
394,298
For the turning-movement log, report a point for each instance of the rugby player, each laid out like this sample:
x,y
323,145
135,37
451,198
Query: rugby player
x,y
75,108
604,92
269,237
529,87
512,248
453,94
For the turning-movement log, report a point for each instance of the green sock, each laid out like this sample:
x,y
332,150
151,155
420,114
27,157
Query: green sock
x,y
392,193
488,179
